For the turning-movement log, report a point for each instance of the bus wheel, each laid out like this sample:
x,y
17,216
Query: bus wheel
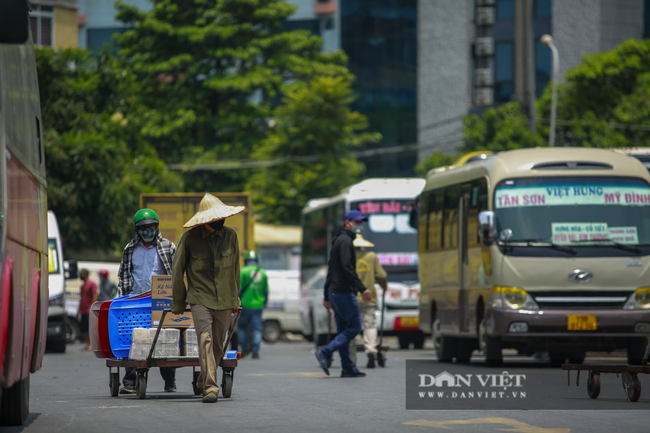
x,y
465,348
448,349
14,407
636,350
491,347
418,341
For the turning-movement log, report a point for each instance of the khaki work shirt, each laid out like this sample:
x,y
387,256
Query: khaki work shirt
x,y
370,272
211,263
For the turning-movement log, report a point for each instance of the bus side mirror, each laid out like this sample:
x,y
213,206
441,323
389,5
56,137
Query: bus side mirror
x,y
72,271
487,227
14,21
414,215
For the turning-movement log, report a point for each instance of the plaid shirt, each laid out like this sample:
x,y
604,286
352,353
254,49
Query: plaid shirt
x,y
165,250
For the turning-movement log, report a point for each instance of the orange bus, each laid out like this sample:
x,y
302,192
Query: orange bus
x,y
23,216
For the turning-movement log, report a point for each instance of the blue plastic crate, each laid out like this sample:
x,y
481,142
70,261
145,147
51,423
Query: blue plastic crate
x,y
124,315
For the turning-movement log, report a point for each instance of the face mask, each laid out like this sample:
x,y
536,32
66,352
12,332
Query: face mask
x,y
147,234
217,225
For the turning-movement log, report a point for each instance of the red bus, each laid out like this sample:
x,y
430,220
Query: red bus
x,y
23,216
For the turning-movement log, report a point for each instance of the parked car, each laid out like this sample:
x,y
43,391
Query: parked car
x,y
282,313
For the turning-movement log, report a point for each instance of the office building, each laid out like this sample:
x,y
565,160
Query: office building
x,y
54,23
475,54
380,39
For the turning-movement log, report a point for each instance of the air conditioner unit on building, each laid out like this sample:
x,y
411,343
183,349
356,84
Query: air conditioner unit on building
x,y
484,77
484,46
485,2
483,96
485,16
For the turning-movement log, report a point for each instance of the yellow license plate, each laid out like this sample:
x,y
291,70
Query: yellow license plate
x,y
581,322
410,321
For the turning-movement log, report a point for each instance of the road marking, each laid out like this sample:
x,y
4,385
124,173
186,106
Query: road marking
x,y
117,407
297,374
516,426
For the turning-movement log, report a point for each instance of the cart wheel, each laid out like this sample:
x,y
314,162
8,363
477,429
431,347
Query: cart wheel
x,y
226,384
142,386
381,359
632,386
197,391
593,384
114,384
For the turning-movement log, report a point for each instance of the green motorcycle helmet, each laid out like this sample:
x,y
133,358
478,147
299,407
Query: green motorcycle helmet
x,y
144,217
250,258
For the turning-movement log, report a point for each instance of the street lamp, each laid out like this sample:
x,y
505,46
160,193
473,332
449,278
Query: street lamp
x,y
548,41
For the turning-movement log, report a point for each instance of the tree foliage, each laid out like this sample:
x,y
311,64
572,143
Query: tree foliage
x,y
211,72
97,164
316,129
603,102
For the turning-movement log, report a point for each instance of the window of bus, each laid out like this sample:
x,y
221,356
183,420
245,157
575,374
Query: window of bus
x,y
477,200
594,216
388,227
450,218
314,239
434,224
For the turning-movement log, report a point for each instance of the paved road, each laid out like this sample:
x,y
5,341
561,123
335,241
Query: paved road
x,y
285,391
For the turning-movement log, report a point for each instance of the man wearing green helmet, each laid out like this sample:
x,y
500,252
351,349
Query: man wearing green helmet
x,y
147,254
254,294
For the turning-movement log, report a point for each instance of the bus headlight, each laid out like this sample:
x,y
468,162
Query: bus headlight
x,y
512,298
639,300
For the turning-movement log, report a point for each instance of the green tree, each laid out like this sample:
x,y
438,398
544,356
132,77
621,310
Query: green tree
x,y
97,162
435,160
604,101
211,72
316,129
500,128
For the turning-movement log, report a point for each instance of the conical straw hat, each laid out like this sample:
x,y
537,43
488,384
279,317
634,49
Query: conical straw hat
x,y
361,242
212,209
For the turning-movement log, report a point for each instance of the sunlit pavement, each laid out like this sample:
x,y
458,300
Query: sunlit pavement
x,y
285,391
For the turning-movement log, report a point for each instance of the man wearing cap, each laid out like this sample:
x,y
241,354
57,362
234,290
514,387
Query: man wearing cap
x,y
208,255
147,254
370,272
107,288
341,288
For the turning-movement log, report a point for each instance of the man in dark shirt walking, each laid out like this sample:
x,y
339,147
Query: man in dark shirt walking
x,y
341,288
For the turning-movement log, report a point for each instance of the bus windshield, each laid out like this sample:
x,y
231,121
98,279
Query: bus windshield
x,y
388,228
574,211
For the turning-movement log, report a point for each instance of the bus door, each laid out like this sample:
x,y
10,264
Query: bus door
x,y
463,261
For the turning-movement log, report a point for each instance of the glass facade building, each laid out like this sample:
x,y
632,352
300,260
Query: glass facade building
x,y
504,48
380,39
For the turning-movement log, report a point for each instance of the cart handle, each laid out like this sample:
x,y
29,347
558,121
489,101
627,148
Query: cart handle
x,y
162,320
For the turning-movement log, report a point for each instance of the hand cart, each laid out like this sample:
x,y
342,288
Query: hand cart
x,y
629,375
142,366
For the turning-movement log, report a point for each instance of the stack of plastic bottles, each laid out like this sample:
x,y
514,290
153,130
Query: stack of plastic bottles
x,y
167,345
191,343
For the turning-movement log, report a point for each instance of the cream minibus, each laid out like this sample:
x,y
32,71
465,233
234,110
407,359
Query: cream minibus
x,y
538,250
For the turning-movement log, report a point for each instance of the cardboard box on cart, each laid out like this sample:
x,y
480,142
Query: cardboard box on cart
x,y
161,299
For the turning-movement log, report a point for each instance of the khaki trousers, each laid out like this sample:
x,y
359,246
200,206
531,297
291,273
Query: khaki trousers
x,y
369,326
211,329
